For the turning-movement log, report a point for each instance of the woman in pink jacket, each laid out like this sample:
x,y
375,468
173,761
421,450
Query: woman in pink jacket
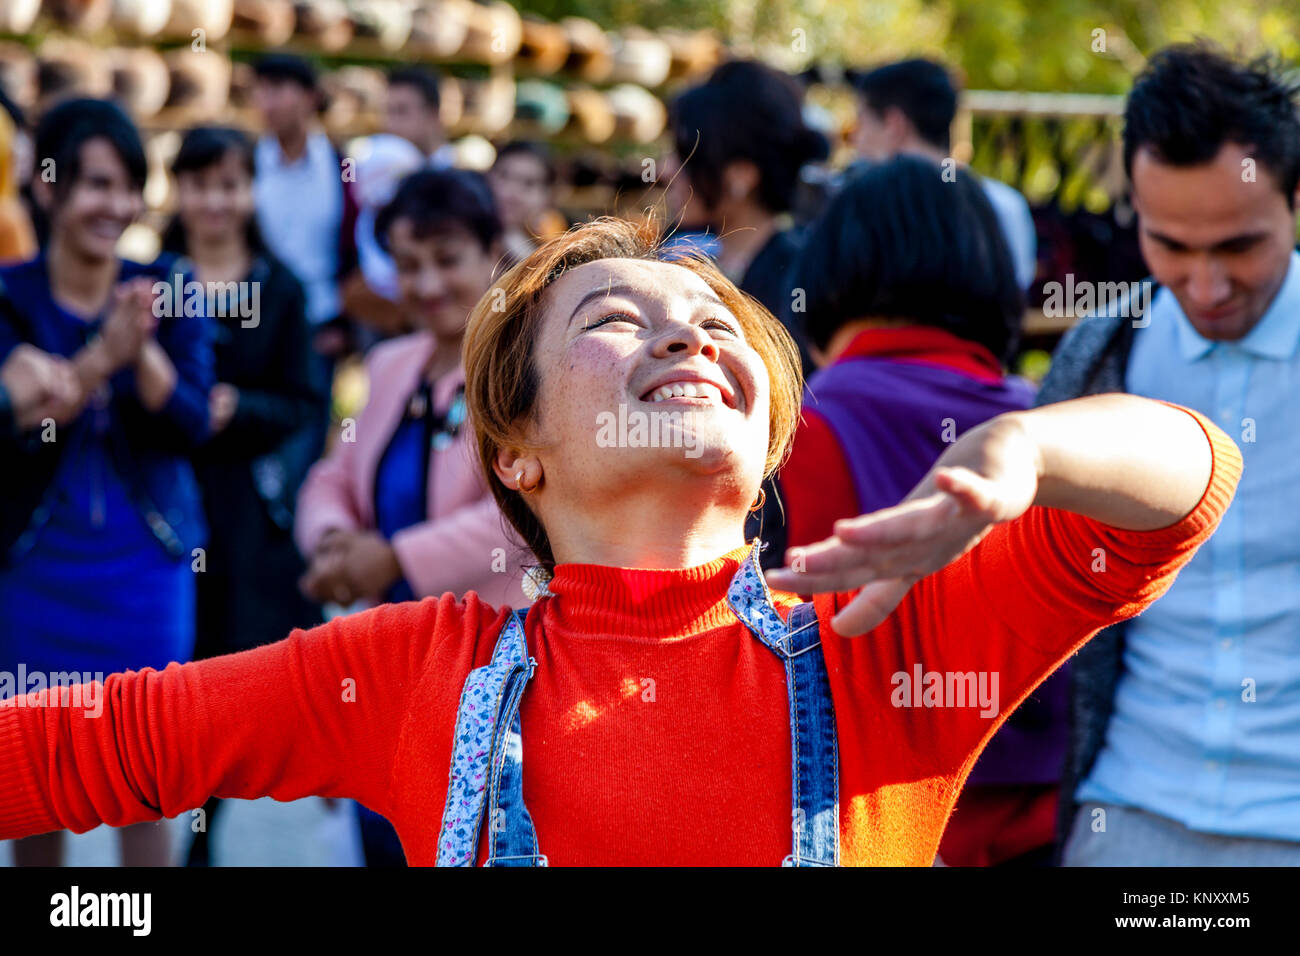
x,y
399,509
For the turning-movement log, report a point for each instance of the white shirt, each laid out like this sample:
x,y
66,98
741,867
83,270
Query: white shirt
x,y
300,212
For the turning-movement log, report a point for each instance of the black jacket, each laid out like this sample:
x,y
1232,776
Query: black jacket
x,y
251,470
1091,359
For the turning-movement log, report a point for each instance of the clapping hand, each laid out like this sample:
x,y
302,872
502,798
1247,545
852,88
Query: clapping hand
x,y
40,385
130,322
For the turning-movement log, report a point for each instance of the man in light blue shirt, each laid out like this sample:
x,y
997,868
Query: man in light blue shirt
x,y
1195,759
909,107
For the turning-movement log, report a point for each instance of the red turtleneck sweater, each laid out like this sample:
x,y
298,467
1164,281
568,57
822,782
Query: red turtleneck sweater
x,y
655,729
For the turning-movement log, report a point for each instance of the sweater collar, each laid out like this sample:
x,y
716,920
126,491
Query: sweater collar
x,y
648,605
924,344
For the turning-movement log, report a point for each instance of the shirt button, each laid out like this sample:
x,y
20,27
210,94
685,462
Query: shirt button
x,y
1211,766
1225,413
1219,704
1226,643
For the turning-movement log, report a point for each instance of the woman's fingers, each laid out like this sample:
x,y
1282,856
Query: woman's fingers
x,y
875,602
893,542
899,525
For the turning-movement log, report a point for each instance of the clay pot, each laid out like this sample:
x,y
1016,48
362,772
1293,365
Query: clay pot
x,y
639,115
489,105
141,79
266,22
590,115
640,57
83,16
385,23
541,109
68,66
544,47
438,28
494,34
694,53
590,56
325,23
200,81
140,18
213,17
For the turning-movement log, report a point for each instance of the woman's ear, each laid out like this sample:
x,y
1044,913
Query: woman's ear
x,y
517,470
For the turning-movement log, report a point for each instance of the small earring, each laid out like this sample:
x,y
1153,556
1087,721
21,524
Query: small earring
x,y
519,480
762,500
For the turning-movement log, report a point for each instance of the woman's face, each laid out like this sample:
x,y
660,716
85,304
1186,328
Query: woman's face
x,y
92,215
621,340
440,277
519,184
215,203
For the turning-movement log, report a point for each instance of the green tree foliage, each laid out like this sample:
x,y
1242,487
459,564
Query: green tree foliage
x,y
996,44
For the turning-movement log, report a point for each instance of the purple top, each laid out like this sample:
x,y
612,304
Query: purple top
x,y
893,417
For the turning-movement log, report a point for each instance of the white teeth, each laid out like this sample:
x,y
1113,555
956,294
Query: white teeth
x,y
687,390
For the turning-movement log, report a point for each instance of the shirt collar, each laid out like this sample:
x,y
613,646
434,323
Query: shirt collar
x,y
271,153
1275,336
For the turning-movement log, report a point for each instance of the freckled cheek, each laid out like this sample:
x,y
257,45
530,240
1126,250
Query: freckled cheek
x,y
598,369
589,379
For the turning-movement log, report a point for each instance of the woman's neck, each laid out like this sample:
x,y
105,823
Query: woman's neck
x,y
80,283
647,525
445,357
220,258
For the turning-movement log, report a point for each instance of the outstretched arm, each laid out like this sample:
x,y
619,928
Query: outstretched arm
x,y
1124,461
319,713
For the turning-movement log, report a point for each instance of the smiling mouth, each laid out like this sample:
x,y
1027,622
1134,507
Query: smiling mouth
x,y
693,393
108,228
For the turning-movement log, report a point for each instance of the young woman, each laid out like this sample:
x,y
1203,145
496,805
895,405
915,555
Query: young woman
x,y
101,513
400,509
267,411
672,708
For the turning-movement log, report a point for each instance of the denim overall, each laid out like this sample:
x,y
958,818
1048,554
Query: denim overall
x,y
487,759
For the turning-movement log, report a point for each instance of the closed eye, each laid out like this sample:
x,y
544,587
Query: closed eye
x,y
611,317
726,325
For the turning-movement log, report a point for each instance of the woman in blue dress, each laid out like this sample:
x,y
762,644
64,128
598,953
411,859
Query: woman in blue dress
x,y
101,524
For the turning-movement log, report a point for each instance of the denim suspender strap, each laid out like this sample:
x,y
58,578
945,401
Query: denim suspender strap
x,y
487,766
487,755
815,775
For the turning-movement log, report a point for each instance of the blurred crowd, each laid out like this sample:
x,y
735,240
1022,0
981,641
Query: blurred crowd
x,y
176,486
